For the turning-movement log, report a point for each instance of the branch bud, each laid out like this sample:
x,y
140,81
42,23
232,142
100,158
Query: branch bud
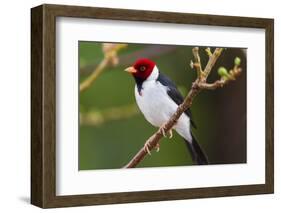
x,y
223,72
208,51
237,61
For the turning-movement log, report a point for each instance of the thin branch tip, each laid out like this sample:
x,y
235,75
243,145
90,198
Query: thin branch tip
x,y
110,58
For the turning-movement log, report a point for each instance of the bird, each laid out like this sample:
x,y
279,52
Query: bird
x,y
158,99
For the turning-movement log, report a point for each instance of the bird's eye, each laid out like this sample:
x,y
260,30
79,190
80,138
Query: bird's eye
x,y
142,68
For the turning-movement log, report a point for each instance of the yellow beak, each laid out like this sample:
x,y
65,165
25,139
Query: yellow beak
x,y
131,70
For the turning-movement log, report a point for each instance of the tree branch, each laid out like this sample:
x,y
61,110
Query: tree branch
x,y
212,60
198,85
110,57
197,63
96,118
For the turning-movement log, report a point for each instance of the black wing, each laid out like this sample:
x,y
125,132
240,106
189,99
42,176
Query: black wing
x,y
174,94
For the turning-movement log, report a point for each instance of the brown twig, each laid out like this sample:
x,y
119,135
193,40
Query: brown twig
x,y
198,85
197,63
212,60
110,57
96,118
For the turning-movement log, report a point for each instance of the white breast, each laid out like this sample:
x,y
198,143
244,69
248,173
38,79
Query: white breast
x,y
157,107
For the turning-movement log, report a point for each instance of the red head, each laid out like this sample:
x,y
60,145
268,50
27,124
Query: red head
x,y
142,68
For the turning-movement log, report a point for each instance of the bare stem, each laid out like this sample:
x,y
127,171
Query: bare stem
x,y
197,61
96,118
90,80
110,57
212,60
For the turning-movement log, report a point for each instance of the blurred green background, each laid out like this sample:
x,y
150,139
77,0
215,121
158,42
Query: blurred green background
x,y
112,129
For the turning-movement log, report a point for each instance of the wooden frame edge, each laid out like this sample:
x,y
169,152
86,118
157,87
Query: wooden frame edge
x,y
36,106
43,180
269,138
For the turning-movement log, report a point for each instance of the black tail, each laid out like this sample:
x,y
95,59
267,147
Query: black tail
x,y
196,152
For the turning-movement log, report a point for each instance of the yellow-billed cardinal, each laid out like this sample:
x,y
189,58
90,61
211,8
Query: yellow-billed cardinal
x,y
158,98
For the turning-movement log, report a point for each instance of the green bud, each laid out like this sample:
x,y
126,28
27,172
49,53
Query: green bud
x,y
237,61
223,72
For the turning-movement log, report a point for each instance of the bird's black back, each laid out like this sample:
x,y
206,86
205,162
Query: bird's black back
x,y
174,94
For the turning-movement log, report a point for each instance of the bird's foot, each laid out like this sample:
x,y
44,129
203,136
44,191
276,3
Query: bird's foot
x,y
170,133
157,147
147,148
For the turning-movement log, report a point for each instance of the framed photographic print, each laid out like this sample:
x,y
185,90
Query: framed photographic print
x,y
135,106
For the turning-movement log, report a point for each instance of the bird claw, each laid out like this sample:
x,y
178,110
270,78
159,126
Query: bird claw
x,y
157,147
170,133
147,148
163,132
